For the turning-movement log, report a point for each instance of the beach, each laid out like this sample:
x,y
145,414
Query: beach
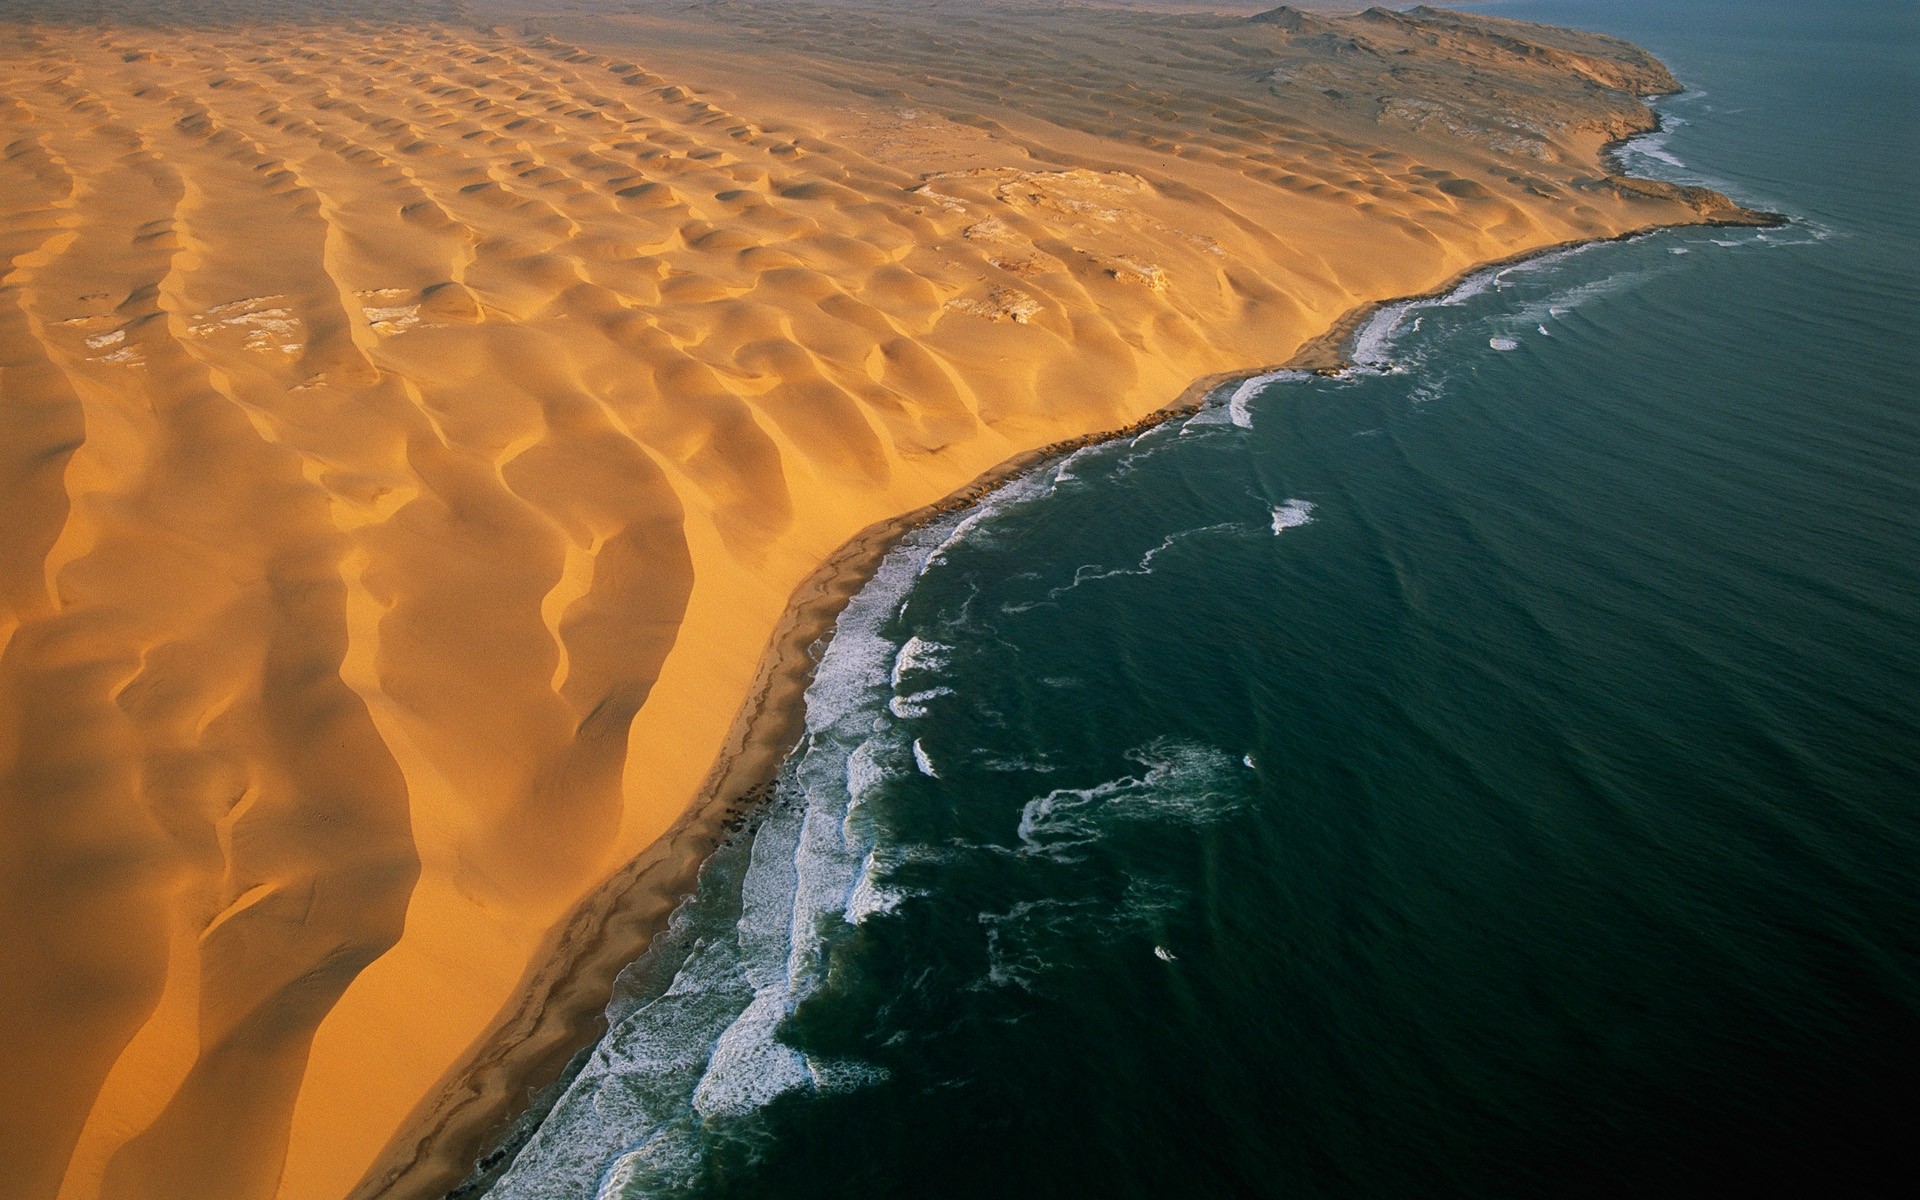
x,y
437,441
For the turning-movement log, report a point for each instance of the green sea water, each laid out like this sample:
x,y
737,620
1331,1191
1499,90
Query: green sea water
x,y
1493,773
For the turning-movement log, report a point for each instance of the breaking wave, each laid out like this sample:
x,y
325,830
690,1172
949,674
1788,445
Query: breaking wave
x,y
694,1047
1182,781
1292,515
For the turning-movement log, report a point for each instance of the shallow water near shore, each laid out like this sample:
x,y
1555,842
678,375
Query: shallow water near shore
x,y
1490,773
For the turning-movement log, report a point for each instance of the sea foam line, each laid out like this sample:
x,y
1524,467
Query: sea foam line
x,y
697,1041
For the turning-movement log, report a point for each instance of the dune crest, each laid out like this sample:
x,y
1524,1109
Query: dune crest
x,y
415,430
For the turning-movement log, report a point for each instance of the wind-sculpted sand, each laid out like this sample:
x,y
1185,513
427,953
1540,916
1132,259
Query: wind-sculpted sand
x,y
414,430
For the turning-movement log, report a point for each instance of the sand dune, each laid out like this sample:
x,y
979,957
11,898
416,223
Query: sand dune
x,y
416,421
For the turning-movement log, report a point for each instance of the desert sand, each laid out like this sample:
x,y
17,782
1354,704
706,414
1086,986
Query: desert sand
x,y
430,437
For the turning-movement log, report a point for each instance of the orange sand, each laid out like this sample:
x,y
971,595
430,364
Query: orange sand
x,y
412,433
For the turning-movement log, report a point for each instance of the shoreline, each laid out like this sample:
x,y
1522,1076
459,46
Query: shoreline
x,y
563,1004
561,1013
1327,353
406,614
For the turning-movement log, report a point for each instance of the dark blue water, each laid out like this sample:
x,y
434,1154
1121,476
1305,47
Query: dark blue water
x,y
1496,773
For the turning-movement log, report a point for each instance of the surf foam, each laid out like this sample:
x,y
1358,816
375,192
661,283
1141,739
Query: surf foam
x,y
694,1039
1181,780
1292,515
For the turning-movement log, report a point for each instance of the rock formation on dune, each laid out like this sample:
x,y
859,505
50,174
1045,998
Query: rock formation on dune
x,y
416,420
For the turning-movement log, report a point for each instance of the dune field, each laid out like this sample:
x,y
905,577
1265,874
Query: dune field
x,y
416,420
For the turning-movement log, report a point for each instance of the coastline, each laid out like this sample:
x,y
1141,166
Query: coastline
x,y
403,615
1327,354
562,1010
563,999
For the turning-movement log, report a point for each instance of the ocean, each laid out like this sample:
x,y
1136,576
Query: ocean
x,y
1495,772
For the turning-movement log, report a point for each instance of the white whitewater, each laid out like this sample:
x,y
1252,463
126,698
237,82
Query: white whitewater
x,y
695,1040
